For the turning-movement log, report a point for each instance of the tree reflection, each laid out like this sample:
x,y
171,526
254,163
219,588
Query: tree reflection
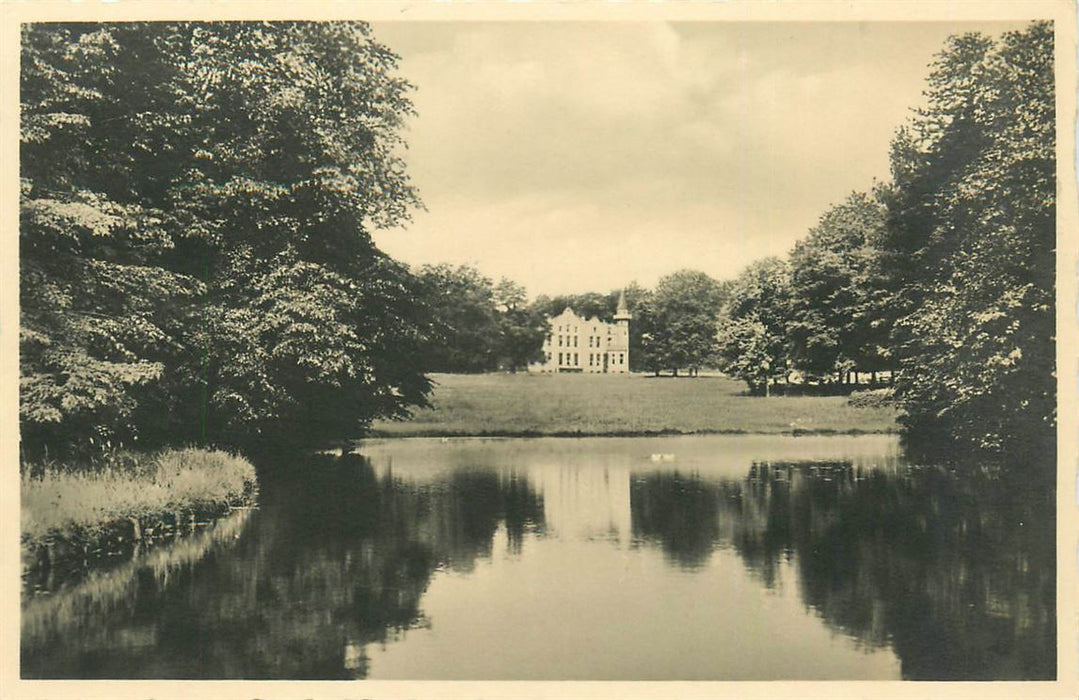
x,y
955,572
336,559
677,511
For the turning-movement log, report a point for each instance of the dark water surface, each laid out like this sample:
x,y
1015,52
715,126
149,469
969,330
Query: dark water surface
x,y
718,557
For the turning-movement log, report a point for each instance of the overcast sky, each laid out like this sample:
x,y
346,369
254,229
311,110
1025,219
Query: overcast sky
x,y
577,157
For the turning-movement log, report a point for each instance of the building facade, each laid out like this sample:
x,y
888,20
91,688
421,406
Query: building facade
x,y
587,345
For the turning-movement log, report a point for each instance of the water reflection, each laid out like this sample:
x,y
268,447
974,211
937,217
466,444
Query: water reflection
x,y
677,511
580,558
957,574
335,559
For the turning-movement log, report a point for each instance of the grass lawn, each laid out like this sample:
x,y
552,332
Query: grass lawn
x,y
583,404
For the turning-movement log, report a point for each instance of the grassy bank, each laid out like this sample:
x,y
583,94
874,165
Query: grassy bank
x,y
565,404
129,496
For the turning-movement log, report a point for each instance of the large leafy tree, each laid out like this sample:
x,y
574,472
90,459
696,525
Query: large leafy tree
x,y
971,243
101,315
753,338
466,319
206,191
521,327
838,295
680,322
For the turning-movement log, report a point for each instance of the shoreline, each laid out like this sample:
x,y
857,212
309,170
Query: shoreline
x,y
73,516
63,556
667,432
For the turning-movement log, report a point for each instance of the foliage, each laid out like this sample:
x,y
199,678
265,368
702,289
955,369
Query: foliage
x,y
196,206
637,299
465,316
971,239
837,292
679,322
872,398
752,335
478,326
945,274
521,327
586,305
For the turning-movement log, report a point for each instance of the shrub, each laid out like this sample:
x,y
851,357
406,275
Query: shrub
x,y
872,398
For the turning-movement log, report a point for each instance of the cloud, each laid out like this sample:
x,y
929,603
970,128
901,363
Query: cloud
x,y
580,156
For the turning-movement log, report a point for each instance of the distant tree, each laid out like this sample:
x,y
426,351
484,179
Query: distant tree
x,y
637,300
838,295
467,328
680,322
753,338
521,327
509,295
196,208
971,247
586,305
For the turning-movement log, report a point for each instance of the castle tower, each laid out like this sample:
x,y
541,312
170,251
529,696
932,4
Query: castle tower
x,y
621,319
622,315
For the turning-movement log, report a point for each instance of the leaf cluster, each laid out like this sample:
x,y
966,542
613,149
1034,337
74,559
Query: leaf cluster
x,y
195,216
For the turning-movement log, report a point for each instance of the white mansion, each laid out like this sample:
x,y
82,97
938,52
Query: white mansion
x,y
577,344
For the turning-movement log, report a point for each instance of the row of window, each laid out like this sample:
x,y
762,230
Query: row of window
x,y
594,359
576,331
594,341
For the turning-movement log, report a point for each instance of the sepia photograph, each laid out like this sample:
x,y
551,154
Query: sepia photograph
x,y
565,347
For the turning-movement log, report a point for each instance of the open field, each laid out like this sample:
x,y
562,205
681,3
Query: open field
x,y
581,404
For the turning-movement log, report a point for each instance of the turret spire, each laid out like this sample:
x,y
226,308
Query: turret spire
x,y
623,308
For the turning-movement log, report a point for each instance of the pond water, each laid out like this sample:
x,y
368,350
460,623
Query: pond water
x,y
713,557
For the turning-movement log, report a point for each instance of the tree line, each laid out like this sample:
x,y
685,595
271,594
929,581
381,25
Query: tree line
x,y
478,325
196,261
481,326
939,283
945,275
